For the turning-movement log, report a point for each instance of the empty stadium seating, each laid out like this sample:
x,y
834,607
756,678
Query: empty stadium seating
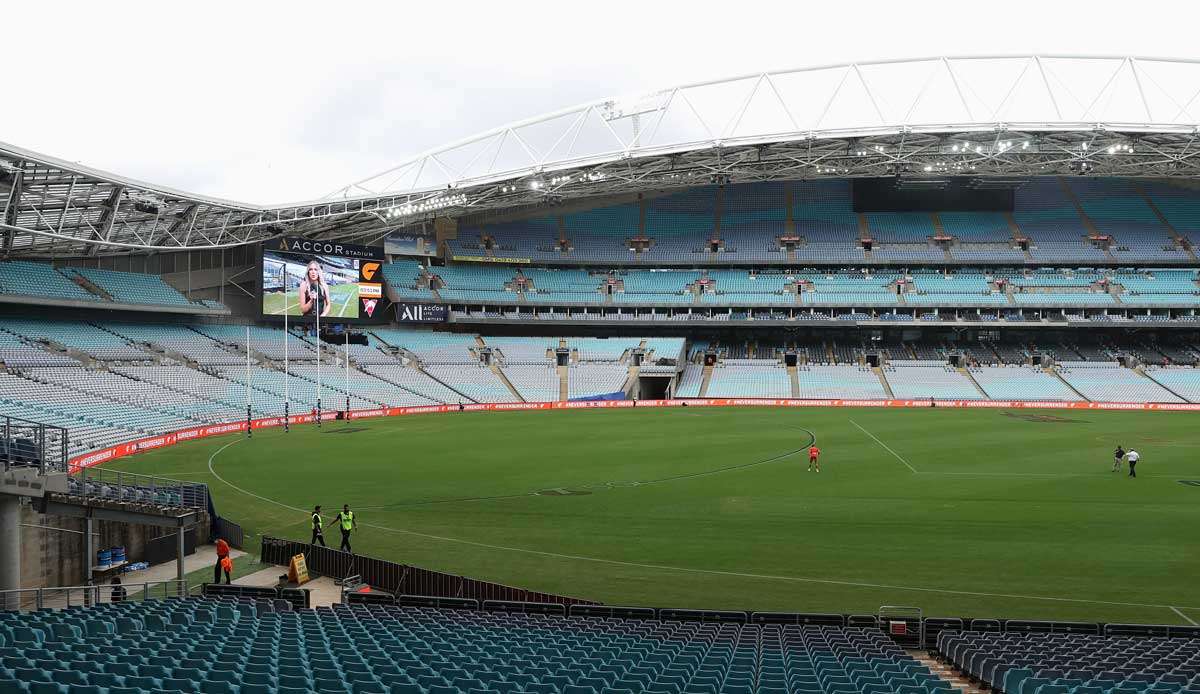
x,y
225,647
1038,663
33,280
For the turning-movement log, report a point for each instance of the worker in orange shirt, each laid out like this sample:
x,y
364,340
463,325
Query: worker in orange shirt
x,y
222,559
814,454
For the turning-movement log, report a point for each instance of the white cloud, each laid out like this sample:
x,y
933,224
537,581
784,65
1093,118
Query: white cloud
x,y
285,101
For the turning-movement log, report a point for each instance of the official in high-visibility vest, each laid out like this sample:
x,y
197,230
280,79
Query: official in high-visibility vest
x,y
318,527
346,520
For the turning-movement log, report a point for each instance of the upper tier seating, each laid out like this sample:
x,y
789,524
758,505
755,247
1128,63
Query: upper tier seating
x,y
44,281
132,287
40,279
753,217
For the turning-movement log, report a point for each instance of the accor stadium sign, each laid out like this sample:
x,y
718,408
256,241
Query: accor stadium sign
x,y
293,244
130,447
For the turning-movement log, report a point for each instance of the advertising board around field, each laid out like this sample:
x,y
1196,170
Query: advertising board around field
x,y
306,278
121,450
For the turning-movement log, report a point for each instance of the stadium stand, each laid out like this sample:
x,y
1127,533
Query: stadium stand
x,y
168,645
132,287
941,382
750,378
1017,663
1108,382
20,278
41,280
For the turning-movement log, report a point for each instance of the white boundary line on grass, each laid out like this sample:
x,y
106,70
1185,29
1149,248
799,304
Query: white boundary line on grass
x,y
1179,612
885,446
681,569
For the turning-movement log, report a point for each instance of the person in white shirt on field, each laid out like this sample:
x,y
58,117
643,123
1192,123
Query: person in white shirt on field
x,y
1132,457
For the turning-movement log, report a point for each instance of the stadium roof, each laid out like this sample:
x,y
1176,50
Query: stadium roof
x,y
984,116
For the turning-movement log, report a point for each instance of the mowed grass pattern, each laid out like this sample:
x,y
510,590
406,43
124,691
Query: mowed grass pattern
x,y
1008,513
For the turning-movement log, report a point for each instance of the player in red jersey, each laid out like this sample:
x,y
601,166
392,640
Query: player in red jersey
x,y
813,454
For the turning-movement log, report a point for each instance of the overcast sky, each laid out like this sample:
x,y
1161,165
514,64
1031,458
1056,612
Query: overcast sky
x,y
274,102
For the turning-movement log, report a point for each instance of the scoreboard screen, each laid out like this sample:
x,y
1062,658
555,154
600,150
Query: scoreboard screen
x,y
332,280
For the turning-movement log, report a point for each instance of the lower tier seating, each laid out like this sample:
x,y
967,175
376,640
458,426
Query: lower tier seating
x,y
213,647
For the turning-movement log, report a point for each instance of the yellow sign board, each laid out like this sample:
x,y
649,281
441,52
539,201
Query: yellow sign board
x,y
298,570
490,259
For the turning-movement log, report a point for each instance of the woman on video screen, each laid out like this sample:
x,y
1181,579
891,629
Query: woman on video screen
x,y
314,293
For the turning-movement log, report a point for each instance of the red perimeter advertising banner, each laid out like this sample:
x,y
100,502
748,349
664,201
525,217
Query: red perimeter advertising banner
x,y
129,448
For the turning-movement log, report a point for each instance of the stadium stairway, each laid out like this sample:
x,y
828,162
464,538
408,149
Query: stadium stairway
x,y
887,387
1142,371
563,389
88,285
948,674
967,374
1183,243
794,377
517,397
1053,371
704,383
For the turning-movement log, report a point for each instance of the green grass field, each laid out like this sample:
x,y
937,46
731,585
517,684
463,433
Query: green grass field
x,y
344,298
982,513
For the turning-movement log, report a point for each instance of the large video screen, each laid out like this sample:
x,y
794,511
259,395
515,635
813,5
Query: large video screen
x,y
308,279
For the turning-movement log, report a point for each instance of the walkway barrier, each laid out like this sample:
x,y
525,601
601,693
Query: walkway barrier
x,y
64,597
100,484
24,443
399,579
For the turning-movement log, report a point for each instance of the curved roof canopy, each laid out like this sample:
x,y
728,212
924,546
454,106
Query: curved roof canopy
x,y
985,116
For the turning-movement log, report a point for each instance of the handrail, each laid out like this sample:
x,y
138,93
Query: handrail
x,y
62,597
127,487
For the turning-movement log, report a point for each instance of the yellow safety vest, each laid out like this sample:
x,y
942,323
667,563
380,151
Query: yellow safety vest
x,y
347,520
318,523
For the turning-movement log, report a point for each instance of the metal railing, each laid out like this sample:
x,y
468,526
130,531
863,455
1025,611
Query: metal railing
x,y
24,443
58,598
101,484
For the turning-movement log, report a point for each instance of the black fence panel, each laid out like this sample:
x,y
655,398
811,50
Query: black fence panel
x,y
248,592
401,579
440,603
613,611
164,548
703,615
817,619
553,608
232,532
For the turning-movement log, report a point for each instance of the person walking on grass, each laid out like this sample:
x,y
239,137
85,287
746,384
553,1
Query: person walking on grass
x,y
318,527
1118,456
1132,457
347,523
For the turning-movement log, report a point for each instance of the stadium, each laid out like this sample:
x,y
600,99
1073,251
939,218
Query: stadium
x,y
859,378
